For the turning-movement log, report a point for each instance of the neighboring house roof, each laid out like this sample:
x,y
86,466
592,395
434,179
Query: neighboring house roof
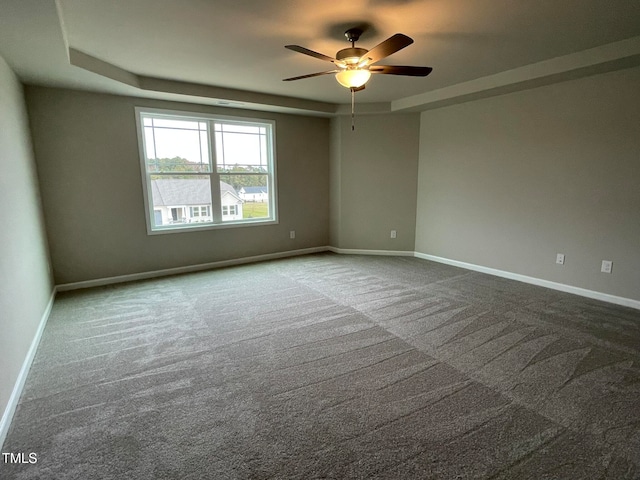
x,y
253,190
168,192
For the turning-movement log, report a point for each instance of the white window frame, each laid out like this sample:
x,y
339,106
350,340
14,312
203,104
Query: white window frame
x,y
214,175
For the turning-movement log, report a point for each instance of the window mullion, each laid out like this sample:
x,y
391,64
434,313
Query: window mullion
x,y
271,177
214,177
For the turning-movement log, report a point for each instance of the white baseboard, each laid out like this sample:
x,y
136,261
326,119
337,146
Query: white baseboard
x,y
358,251
223,263
12,404
188,269
583,292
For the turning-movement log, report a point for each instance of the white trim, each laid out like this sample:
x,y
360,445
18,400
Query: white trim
x,y
197,227
350,251
359,251
12,404
188,269
583,292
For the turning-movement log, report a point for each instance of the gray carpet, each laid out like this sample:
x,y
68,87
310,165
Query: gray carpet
x,y
333,367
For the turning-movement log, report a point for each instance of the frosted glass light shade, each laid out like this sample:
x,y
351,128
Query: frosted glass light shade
x,y
353,78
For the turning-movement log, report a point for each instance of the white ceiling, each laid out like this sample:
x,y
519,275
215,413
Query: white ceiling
x,y
239,44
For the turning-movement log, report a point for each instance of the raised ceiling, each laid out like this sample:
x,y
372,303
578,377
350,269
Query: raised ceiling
x,y
222,46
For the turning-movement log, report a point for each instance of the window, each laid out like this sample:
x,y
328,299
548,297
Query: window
x,y
201,211
229,210
197,167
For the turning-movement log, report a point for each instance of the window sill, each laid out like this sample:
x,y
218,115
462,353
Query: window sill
x,y
198,227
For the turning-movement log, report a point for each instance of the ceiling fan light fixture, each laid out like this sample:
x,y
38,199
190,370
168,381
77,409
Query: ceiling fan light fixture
x,y
353,77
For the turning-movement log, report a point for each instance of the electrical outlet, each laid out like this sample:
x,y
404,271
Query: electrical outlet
x,y
560,259
607,266
292,234
394,234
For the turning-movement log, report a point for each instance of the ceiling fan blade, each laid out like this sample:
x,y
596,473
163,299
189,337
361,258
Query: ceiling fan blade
x,y
401,70
390,45
310,75
311,53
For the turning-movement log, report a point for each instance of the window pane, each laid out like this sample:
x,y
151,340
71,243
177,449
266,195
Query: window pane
x,y
235,149
230,201
149,142
253,193
176,149
204,148
233,127
180,200
173,123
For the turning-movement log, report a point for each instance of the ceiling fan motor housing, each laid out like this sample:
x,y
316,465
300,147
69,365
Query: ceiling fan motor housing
x,y
351,55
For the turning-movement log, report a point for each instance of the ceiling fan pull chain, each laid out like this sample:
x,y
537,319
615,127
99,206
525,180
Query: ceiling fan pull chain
x,y
353,104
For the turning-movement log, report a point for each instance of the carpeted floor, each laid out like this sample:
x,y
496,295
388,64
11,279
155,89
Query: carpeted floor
x,y
332,367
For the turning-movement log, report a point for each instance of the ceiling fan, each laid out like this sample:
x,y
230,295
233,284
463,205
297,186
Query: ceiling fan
x,y
355,65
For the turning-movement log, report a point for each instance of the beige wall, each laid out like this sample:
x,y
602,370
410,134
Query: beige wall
x,y
508,182
87,153
373,175
25,281
335,163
